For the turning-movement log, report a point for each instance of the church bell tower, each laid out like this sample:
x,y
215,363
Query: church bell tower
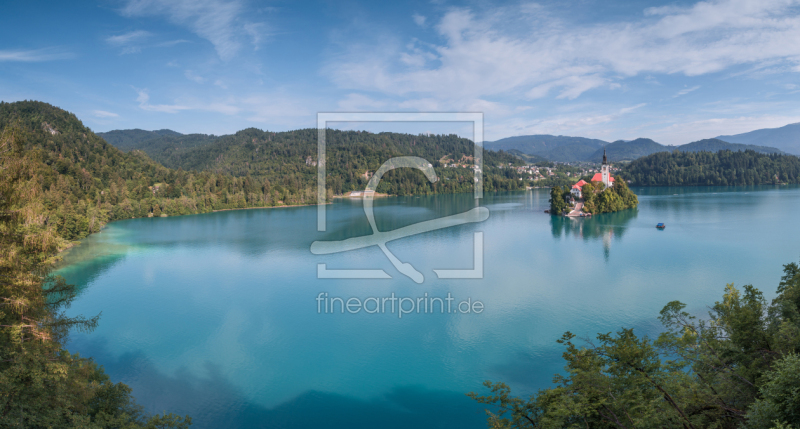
x,y
605,170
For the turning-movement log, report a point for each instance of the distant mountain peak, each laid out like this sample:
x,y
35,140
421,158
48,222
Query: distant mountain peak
x,y
785,138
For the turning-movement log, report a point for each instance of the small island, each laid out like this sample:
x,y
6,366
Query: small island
x,y
601,194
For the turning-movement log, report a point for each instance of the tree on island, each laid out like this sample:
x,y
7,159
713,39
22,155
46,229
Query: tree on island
x,y
617,197
557,203
738,369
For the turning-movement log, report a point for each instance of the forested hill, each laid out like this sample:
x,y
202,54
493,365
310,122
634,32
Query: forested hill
x,y
289,159
716,145
350,155
155,143
553,148
86,182
51,168
131,139
724,167
628,150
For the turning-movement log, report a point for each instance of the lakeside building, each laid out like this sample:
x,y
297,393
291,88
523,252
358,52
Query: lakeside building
x,y
577,189
603,176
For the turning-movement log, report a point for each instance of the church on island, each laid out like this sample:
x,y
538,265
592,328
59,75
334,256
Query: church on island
x,y
603,176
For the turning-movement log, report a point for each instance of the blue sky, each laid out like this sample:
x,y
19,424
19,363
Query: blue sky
x,y
672,71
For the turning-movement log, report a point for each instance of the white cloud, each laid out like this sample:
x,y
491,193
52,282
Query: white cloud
x,y
258,32
104,114
128,38
686,91
144,103
572,124
419,19
523,50
36,55
218,21
170,43
263,108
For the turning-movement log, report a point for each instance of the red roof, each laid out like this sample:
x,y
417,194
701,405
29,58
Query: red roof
x,y
579,184
598,177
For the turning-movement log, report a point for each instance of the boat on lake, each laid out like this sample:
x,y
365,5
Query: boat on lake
x,y
661,226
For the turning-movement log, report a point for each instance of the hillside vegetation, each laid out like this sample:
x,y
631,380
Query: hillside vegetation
x,y
86,182
716,145
738,368
706,168
42,385
156,144
127,140
289,158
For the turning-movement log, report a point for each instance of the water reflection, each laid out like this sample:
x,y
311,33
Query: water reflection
x,y
391,213
196,324
605,227
213,401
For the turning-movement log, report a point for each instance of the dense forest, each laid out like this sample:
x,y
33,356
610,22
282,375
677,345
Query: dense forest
x,y
153,143
289,159
723,168
41,384
86,182
716,145
126,140
740,368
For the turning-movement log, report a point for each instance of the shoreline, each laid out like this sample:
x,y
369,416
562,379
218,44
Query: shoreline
x,y
253,208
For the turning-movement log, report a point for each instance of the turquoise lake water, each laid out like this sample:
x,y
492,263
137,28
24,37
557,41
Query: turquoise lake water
x,y
216,315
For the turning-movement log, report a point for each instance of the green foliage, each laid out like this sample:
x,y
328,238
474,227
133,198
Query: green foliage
x,y
705,168
557,202
716,145
86,182
289,159
155,143
41,384
530,159
739,368
780,396
127,140
617,197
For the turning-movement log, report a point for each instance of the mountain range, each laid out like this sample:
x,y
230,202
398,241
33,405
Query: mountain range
x,y
579,149
786,138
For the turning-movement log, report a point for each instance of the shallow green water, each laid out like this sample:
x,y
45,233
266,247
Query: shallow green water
x,y
216,315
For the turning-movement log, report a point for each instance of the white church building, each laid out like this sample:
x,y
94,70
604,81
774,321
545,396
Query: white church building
x,y
603,176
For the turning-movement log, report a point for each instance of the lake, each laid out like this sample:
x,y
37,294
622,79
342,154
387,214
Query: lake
x,y
218,315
